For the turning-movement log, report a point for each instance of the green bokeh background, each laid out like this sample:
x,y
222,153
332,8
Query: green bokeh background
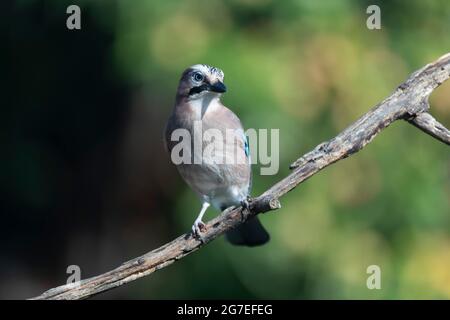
x,y
309,68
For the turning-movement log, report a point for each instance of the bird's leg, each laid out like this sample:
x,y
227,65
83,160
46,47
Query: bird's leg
x,y
198,223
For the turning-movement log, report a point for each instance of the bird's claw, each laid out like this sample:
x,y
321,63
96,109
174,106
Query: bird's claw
x,y
245,203
197,228
245,207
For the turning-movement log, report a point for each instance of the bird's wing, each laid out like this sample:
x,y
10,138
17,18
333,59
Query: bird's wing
x,y
223,118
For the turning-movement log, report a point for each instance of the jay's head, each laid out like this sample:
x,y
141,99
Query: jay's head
x,y
199,81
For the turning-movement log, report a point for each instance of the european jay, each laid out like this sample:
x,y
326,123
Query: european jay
x,y
221,184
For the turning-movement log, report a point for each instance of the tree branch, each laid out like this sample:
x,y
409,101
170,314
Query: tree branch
x,y
409,102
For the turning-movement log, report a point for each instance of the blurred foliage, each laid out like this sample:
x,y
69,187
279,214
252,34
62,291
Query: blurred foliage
x,y
86,181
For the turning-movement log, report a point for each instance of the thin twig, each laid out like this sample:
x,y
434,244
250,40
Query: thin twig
x,y
426,123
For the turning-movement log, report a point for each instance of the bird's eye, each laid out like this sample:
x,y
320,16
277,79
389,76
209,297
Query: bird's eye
x,y
197,77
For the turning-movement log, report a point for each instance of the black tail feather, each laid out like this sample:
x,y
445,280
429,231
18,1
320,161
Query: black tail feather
x,y
251,233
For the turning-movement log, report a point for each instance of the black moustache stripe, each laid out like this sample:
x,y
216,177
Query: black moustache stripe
x,y
198,89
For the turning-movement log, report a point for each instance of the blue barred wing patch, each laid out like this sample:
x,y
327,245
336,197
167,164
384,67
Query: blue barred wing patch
x,y
246,147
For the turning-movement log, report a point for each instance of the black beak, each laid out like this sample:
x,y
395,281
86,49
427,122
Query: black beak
x,y
218,87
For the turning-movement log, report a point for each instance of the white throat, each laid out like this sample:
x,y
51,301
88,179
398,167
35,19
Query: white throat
x,y
203,103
